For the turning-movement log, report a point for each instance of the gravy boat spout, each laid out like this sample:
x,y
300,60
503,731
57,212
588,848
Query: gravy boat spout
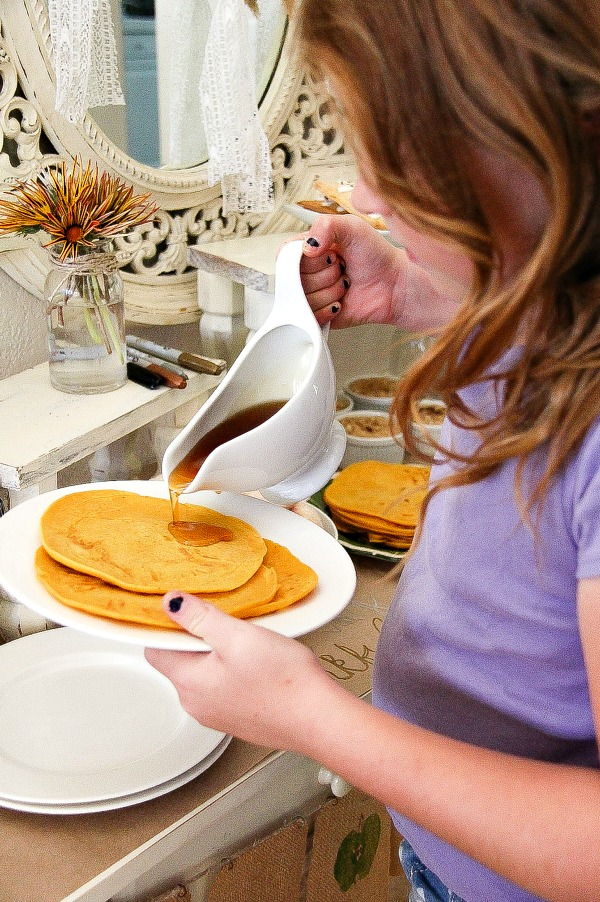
x,y
294,452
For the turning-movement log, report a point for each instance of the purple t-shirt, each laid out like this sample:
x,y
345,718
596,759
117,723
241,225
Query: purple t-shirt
x,y
482,642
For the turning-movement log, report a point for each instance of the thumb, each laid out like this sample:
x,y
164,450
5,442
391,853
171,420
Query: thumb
x,y
198,617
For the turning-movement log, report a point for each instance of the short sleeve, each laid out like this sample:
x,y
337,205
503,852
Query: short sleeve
x,y
584,482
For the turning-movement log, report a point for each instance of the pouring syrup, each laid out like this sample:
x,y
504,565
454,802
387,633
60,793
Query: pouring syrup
x,y
190,532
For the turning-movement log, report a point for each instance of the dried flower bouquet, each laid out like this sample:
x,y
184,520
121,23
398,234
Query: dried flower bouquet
x,y
80,210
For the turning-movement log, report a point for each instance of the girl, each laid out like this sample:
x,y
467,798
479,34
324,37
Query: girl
x,y
476,128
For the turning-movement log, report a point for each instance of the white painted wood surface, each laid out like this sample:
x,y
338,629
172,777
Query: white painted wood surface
x,y
249,261
43,430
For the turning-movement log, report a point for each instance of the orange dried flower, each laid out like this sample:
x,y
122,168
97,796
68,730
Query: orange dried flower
x,y
77,208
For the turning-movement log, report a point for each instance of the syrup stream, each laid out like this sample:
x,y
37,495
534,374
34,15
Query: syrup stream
x,y
191,532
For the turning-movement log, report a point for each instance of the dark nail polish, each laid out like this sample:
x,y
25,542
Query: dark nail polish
x,y
346,284
342,268
335,308
312,241
175,604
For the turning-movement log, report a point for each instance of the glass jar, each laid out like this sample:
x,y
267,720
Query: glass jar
x,y
407,349
86,324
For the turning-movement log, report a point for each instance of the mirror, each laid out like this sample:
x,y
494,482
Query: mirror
x,y
160,49
160,285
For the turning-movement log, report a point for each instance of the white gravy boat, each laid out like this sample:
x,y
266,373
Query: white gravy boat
x,y
295,452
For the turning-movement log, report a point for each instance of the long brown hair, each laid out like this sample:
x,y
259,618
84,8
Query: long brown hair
x,y
519,78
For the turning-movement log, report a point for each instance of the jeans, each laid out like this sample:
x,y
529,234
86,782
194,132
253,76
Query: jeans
x,y
424,885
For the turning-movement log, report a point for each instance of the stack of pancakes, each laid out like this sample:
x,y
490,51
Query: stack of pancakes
x,y
110,553
379,501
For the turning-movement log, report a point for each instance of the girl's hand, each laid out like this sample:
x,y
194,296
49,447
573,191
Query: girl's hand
x,y
254,683
351,274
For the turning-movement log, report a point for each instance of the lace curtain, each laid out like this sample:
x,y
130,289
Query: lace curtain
x,y
238,150
213,111
183,26
84,56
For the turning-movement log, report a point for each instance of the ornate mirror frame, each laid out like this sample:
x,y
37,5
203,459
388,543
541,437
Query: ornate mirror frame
x,y
160,286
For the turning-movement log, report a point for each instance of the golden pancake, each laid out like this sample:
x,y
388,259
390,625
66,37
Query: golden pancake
x,y
379,500
277,584
364,521
374,489
93,596
392,537
123,538
295,579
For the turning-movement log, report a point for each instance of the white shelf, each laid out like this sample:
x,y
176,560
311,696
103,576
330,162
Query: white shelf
x,y
249,261
43,430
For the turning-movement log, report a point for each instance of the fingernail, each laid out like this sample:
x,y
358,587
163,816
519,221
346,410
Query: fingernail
x,y
175,604
346,284
342,268
312,241
335,308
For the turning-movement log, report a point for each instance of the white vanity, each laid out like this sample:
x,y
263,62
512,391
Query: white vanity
x,y
54,429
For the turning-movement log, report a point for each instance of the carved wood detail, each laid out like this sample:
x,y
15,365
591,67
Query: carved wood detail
x,y
160,285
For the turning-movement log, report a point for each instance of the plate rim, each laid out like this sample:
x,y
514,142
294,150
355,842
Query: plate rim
x,y
124,801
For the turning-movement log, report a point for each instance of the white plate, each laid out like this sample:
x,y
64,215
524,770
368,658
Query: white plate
x,y
126,801
318,516
87,720
20,537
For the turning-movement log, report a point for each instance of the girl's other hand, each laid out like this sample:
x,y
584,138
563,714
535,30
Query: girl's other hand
x,y
254,683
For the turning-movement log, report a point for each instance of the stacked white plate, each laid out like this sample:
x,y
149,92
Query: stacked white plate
x,y
88,725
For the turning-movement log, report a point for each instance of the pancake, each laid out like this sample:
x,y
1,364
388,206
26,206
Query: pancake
x,y
91,595
123,539
278,583
295,579
379,500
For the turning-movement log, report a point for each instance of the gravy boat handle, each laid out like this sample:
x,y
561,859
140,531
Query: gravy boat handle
x,y
290,306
